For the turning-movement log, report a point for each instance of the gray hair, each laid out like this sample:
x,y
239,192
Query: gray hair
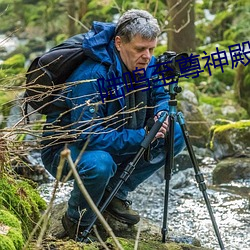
x,y
137,22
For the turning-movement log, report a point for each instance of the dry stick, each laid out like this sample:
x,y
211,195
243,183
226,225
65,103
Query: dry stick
x,y
45,217
99,238
137,236
66,154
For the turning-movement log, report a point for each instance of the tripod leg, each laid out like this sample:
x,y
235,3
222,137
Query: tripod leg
x,y
199,176
129,169
168,173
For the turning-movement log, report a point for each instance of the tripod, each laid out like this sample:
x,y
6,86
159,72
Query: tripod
x,y
169,163
129,168
173,90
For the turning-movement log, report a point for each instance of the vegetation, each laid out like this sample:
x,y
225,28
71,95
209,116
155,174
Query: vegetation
x,y
198,27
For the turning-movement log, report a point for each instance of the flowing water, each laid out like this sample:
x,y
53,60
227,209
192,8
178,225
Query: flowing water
x,y
187,212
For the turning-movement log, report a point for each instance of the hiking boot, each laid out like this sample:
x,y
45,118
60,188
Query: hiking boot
x,y
121,211
75,231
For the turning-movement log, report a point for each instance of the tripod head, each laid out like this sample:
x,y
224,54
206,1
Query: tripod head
x,y
174,63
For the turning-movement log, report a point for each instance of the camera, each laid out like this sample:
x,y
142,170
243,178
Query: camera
x,y
170,60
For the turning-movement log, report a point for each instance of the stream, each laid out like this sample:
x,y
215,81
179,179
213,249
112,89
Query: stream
x,y
187,212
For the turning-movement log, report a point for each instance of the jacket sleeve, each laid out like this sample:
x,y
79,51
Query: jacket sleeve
x,y
89,120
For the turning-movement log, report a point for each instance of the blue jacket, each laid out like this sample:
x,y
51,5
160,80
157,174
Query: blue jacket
x,y
88,118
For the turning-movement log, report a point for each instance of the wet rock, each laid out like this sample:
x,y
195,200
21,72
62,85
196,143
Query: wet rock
x,y
197,125
231,169
181,179
150,234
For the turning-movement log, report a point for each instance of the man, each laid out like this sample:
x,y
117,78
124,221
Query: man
x,y
109,118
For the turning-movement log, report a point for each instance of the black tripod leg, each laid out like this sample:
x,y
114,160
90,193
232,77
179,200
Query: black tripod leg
x,y
168,173
129,169
199,176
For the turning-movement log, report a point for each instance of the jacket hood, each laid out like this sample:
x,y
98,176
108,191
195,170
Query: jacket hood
x,y
98,42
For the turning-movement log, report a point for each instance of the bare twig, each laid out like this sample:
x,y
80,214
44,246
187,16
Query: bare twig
x,y
46,216
77,21
67,155
99,238
137,236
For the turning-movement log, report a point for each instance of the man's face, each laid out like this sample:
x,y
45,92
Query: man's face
x,y
137,53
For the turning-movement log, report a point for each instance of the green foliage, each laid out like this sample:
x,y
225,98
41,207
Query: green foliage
x,y
214,101
229,23
16,61
226,77
13,66
160,50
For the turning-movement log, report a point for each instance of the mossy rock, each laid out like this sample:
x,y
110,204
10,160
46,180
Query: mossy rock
x,y
221,107
11,237
150,235
231,139
21,199
128,244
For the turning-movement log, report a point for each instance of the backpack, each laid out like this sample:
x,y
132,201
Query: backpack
x,y
47,74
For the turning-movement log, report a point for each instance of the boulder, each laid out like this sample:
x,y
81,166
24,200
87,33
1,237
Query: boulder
x,y
231,169
150,235
230,140
197,125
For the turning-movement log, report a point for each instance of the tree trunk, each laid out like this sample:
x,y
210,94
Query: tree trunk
x,y
72,13
181,34
83,7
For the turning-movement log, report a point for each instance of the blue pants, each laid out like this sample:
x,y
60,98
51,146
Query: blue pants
x,y
99,171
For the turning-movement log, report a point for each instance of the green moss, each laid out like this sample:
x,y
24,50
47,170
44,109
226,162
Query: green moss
x,y
6,243
13,239
219,131
16,237
128,244
9,219
235,125
212,100
12,71
22,200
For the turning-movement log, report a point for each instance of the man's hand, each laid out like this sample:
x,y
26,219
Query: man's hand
x,y
164,128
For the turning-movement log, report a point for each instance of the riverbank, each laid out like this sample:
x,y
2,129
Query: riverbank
x,y
188,216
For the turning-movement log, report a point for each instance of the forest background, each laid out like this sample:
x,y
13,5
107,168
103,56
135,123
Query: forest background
x,y
199,27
